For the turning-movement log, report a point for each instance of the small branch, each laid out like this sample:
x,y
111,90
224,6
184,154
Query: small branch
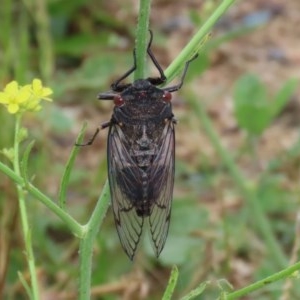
x,y
261,283
34,293
74,226
196,42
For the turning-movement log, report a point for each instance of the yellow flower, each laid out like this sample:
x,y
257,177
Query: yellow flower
x,y
13,97
39,91
26,98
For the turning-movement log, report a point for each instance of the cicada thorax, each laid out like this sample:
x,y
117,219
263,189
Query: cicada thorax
x,y
142,102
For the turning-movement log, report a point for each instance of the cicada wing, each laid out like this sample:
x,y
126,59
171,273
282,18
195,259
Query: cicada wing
x,y
161,180
123,175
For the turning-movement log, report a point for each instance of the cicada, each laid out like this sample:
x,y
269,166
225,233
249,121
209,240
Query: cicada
x,y
141,156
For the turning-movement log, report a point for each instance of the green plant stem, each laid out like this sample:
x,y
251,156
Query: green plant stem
x,y
6,17
259,284
46,57
189,50
24,217
21,53
74,226
260,221
41,18
87,242
196,42
142,37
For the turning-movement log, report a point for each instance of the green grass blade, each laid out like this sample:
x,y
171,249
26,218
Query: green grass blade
x,y
196,292
171,284
25,285
66,175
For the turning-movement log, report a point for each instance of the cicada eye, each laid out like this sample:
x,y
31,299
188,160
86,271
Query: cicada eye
x,y
118,100
167,96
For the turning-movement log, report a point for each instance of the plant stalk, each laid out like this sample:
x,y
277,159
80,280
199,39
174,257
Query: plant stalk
x,y
142,37
196,42
87,242
24,216
290,271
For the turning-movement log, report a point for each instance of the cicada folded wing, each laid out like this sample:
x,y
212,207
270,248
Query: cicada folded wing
x,y
162,182
123,175
127,188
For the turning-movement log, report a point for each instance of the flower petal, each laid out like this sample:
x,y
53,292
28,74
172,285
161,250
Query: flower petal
x,y
12,108
46,92
11,88
24,98
23,95
4,98
36,84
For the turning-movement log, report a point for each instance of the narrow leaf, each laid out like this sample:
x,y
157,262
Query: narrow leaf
x,y
24,162
66,175
196,292
171,284
25,285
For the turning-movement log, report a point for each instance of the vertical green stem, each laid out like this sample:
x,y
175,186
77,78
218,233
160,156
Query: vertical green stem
x,y
142,38
5,38
23,213
261,222
46,56
87,242
22,53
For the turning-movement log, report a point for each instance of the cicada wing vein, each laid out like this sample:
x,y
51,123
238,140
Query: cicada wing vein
x,y
123,174
162,182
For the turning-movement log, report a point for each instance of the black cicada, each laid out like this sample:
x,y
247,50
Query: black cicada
x,y
141,156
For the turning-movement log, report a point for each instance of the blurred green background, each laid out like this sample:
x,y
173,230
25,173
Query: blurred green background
x,y
245,80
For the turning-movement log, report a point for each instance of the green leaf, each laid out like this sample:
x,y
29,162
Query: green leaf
x,y
252,109
171,284
225,285
62,195
24,162
283,96
196,292
25,285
